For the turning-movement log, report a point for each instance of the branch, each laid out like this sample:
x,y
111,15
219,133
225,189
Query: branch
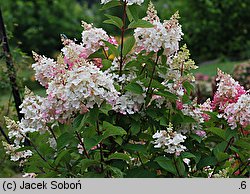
x,y
122,36
101,151
10,66
82,144
5,136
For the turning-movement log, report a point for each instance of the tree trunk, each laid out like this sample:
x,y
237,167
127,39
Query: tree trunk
x,y
10,67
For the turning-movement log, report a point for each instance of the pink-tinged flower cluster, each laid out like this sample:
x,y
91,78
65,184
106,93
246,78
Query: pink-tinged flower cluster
x,y
92,40
206,107
228,91
238,113
232,101
164,35
46,69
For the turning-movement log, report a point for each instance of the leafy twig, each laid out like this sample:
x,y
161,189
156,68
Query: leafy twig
x,y
82,144
122,36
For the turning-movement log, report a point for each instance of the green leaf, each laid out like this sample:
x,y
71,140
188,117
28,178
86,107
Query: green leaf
x,y
77,121
98,54
157,85
119,156
135,127
106,64
135,148
217,131
140,24
91,142
111,130
119,140
132,13
85,163
188,119
128,45
110,5
61,155
105,108
64,139
206,161
243,143
218,151
164,121
167,95
188,86
134,87
112,48
167,164
196,137
116,172
187,155
181,167
114,20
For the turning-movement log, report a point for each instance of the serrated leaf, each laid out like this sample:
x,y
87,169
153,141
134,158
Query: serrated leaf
x,y
77,121
114,20
196,137
111,130
135,148
91,142
119,140
188,86
135,128
167,95
116,172
217,131
134,87
243,144
132,13
112,48
181,167
206,161
60,156
105,108
218,151
110,5
187,155
64,139
140,24
166,164
85,163
119,156
128,45
106,64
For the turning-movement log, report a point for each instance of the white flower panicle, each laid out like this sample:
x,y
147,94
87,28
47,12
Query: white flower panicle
x,y
32,108
166,35
129,103
92,37
169,140
14,154
129,2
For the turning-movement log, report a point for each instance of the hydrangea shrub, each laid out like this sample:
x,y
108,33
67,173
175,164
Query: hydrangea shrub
x,y
124,108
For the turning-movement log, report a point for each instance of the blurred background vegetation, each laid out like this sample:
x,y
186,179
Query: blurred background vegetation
x,y
217,33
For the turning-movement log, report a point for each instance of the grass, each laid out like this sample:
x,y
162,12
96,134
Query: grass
x,y
210,69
